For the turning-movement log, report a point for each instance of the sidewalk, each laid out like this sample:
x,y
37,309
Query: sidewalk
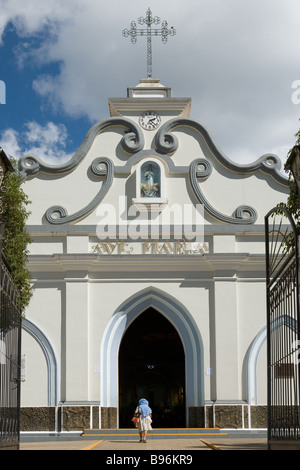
x,y
172,445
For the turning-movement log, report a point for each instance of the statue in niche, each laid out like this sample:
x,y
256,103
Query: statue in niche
x,y
150,180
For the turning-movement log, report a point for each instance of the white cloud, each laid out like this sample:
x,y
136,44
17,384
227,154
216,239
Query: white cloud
x,y
50,134
46,142
9,143
34,16
237,59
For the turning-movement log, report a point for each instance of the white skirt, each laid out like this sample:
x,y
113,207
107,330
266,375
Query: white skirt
x,y
145,423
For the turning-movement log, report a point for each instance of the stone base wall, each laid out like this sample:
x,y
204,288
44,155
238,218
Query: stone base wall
x,y
283,445
67,418
229,416
78,418
9,446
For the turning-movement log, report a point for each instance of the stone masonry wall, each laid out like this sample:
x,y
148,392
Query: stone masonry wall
x,y
78,418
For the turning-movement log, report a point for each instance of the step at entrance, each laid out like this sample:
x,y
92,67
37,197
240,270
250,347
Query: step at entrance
x,y
132,433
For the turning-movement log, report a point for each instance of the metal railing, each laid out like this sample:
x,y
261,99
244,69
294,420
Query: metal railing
x,y
10,360
282,284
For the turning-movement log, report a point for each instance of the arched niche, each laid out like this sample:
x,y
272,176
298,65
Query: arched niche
x,y
150,184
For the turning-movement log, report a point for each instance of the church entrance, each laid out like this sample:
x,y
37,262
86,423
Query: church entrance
x,y
152,366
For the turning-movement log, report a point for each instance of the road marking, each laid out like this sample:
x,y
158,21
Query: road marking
x,y
162,434
212,446
93,445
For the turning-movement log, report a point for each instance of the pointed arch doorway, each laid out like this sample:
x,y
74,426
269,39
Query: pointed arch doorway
x,y
177,314
152,366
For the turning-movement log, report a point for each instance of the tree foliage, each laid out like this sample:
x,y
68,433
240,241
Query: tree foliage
x,y
15,238
292,205
293,200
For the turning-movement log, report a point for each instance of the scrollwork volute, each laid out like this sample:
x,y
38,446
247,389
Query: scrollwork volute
x,y
102,167
243,215
165,142
132,142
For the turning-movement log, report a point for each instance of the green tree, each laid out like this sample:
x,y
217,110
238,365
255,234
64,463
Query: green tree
x,y
292,204
293,200
15,238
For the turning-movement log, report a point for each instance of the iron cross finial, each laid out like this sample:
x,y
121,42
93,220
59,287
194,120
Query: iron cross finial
x,y
149,20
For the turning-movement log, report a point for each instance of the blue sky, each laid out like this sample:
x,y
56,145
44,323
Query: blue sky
x,y
237,59
27,121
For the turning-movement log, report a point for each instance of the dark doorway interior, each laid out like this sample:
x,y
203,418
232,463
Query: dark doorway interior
x,y
152,366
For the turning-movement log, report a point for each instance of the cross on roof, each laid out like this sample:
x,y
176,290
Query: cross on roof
x,y
149,20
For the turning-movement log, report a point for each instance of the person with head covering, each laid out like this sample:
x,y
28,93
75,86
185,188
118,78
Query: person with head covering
x,y
144,412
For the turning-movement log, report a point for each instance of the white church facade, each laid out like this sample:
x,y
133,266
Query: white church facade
x,y
148,267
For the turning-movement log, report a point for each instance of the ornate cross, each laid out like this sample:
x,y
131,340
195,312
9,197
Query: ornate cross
x,y
148,21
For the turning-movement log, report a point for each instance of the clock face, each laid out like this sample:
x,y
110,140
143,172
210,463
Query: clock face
x,y
149,120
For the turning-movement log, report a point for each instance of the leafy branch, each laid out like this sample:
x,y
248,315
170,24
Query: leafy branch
x,y
292,204
293,200
15,238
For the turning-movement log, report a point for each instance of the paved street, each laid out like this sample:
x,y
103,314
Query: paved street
x,y
172,445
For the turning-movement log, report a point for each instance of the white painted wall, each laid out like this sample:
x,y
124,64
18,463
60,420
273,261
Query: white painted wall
x,y
77,291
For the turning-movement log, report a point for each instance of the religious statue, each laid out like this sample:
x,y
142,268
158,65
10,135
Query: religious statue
x,y
149,188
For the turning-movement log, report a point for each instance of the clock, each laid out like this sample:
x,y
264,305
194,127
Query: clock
x,y
149,120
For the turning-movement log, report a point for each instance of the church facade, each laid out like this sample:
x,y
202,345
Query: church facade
x,y
148,267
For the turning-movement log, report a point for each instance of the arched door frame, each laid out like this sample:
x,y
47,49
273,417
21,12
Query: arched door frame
x,y
183,322
254,351
47,349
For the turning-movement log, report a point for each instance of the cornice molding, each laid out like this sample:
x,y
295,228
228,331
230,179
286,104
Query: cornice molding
x,y
221,266
209,229
180,106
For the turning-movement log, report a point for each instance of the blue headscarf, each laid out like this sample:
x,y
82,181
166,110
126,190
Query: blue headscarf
x,y
144,407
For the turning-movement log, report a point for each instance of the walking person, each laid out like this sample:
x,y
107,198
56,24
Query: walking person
x,y
144,412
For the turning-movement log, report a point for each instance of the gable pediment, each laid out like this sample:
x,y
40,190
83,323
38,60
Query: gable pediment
x,y
166,145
